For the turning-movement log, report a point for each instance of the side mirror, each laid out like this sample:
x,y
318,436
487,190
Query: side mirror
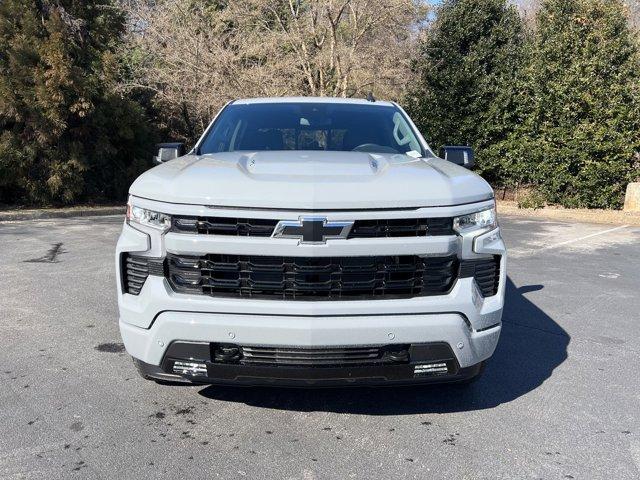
x,y
168,151
459,155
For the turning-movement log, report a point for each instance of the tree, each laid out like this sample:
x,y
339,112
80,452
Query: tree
x,y
64,134
468,66
195,55
581,137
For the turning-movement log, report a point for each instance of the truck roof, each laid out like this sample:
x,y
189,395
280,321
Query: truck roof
x,y
356,101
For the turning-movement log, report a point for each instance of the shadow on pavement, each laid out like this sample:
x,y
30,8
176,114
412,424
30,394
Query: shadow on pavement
x,y
532,345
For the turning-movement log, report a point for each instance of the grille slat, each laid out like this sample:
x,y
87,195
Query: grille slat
x,y
283,356
312,278
311,351
254,227
317,357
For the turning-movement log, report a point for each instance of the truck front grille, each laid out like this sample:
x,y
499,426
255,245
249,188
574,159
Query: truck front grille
x,y
300,278
255,227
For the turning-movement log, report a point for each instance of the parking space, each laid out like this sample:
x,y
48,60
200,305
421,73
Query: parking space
x,y
560,399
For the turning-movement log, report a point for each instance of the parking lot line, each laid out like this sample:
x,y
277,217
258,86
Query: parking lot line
x,y
579,239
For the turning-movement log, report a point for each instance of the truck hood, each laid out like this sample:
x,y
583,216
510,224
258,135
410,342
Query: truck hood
x,y
311,180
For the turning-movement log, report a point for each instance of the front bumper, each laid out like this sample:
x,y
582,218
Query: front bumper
x,y
470,347
239,375
151,321
393,364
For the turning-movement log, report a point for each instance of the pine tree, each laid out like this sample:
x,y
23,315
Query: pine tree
x,y
468,66
64,132
581,137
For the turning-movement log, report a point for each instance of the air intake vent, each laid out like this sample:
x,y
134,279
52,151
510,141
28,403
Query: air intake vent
x,y
486,273
324,357
135,270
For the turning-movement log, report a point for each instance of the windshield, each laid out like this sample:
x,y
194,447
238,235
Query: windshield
x,y
311,126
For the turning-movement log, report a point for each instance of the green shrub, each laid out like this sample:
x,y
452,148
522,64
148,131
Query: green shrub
x,y
582,130
558,110
65,135
532,199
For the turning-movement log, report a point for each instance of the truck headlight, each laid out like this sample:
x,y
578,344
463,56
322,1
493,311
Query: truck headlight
x,y
149,218
483,220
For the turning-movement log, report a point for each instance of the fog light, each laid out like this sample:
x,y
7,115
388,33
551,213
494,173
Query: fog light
x,y
430,369
192,369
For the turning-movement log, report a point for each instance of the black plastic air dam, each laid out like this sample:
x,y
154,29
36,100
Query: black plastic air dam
x,y
238,375
394,369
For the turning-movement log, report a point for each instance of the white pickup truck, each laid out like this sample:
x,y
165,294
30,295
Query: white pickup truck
x,y
311,242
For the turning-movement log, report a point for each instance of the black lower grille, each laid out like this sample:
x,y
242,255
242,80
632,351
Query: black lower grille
x,y
361,361
486,273
324,357
299,278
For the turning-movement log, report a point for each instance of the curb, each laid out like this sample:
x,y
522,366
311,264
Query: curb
x,y
11,216
596,217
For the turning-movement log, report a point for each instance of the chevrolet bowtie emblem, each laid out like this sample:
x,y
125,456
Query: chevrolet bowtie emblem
x,y
312,229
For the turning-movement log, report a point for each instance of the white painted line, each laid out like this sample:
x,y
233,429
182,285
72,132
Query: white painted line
x,y
609,275
574,240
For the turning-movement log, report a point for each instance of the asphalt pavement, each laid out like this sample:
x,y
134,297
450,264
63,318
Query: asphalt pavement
x,y
559,400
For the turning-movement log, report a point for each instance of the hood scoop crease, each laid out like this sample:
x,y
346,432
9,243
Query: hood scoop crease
x,y
312,164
